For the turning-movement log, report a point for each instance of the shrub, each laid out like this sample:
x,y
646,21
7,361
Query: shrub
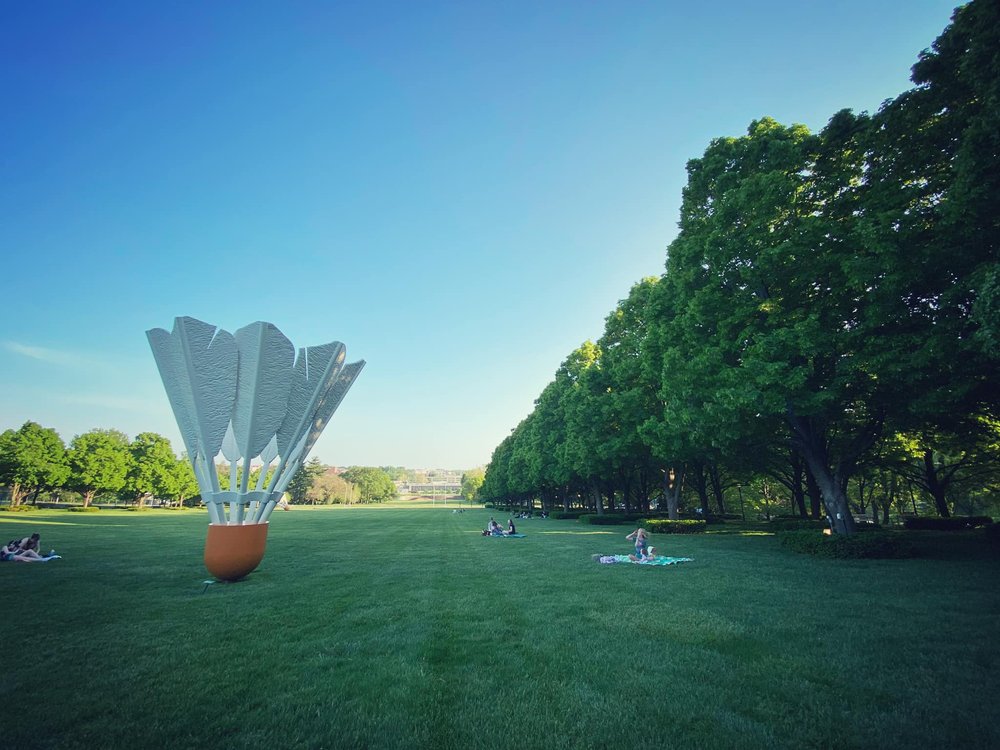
x,y
796,523
488,504
565,515
666,526
17,508
872,544
956,523
83,509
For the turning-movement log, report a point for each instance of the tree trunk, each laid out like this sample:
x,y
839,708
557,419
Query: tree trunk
x,y
701,487
798,494
595,495
815,498
643,482
934,485
17,494
672,492
88,496
626,485
717,490
811,444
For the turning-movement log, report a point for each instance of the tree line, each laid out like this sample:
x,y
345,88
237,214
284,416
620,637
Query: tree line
x,y
826,328
34,460
35,463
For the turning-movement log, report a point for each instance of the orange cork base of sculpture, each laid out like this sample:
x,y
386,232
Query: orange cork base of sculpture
x,y
233,552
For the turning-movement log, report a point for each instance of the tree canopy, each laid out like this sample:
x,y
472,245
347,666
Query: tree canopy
x,y
100,461
829,298
373,484
31,458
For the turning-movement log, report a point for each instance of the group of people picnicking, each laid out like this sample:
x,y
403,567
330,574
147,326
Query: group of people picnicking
x,y
25,550
495,529
644,553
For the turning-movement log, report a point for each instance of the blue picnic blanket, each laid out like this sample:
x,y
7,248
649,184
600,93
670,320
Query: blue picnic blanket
x,y
506,536
658,560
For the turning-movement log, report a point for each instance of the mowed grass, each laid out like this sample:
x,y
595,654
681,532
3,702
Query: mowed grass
x,y
404,628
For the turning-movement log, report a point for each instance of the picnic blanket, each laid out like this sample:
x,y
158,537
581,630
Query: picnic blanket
x,y
506,536
658,560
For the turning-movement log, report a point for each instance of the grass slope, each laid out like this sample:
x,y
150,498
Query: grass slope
x,y
404,628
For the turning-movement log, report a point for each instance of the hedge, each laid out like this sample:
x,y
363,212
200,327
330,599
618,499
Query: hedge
x,y
956,523
610,519
872,544
666,526
566,515
796,523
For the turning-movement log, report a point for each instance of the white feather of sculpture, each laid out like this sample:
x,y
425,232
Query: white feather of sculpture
x,y
325,407
268,455
167,355
316,369
231,452
262,389
330,402
198,365
209,360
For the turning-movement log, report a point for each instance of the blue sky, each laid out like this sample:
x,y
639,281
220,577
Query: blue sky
x,y
460,192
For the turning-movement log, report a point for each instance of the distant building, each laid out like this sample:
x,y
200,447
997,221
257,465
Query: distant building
x,y
450,486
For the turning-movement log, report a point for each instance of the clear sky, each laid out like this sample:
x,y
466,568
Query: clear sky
x,y
460,192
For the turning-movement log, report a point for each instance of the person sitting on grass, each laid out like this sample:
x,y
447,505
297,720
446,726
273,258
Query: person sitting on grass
x,y
510,527
27,544
12,552
639,536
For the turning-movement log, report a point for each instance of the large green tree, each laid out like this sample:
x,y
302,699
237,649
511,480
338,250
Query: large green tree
x,y
32,458
472,480
328,488
780,302
303,480
153,469
185,483
99,462
373,484
628,394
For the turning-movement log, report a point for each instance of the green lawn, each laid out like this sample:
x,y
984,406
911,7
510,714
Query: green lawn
x,y
404,628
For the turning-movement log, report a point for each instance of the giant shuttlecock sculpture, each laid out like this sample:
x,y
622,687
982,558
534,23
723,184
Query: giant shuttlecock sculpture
x,y
247,396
